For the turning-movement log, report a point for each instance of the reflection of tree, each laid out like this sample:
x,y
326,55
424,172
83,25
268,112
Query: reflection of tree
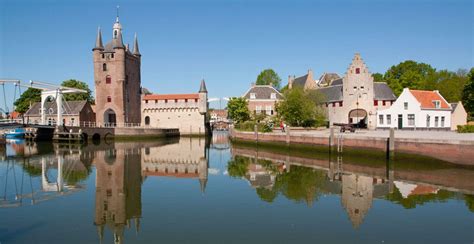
x,y
237,167
75,176
413,200
469,199
31,169
300,184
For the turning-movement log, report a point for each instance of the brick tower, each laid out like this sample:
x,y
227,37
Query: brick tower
x,y
117,79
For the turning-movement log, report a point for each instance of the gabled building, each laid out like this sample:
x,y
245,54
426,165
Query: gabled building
x,y
458,115
354,98
306,81
75,113
417,109
262,99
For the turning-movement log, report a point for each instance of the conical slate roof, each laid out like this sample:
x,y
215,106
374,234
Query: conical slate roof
x,y
98,41
203,86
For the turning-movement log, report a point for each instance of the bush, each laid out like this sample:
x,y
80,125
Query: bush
x,y
465,128
250,126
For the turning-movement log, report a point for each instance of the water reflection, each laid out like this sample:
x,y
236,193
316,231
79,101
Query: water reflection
x,y
128,195
304,179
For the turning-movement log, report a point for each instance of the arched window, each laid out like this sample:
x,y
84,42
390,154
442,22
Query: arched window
x,y
108,79
147,120
109,99
115,33
104,67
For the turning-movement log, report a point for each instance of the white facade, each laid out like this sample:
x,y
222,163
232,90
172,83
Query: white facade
x,y
407,113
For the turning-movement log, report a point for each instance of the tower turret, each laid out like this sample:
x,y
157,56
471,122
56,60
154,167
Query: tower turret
x,y
136,51
203,106
98,41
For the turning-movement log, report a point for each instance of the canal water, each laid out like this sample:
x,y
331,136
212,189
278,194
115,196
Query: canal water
x,y
197,190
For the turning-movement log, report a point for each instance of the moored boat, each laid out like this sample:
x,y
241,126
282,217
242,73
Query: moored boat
x,y
16,133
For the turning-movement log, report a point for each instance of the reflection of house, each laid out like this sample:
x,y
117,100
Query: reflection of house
x,y
218,115
261,99
259,176
408,189
416,109
186,159
458,115
187,112
118,191
74,113
355,98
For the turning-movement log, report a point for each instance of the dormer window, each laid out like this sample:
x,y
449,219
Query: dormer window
x,y
437,103
357,70
252,96
273,96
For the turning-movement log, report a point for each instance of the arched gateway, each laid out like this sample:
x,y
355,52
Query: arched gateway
x,y
358,117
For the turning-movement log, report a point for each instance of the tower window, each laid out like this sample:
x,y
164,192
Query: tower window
x,y
112,55
103,55
115,34
109,99
176,100
104,67
357,70
108,79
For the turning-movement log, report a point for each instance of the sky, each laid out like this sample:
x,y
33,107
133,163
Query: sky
x,y
229,42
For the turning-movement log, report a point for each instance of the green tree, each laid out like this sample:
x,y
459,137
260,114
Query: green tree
x,y
378,77
238,166
268,77
300,108
450,85
468,94
78,96
27,98
409,74
238,111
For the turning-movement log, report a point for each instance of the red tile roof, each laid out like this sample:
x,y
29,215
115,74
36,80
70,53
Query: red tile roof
x,y
171,96
426,98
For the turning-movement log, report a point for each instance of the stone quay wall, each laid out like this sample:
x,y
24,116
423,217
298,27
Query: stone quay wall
x,y
453,151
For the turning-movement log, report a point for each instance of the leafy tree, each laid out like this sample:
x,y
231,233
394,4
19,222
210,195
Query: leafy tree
x,y
269,77
450,85
27,98
238,166
409,74
468,94
378,77
78,96
237,108
300,108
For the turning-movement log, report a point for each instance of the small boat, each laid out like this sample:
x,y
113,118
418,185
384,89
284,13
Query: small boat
x,y
16,133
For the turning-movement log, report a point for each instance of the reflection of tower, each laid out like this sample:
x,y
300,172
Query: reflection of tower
x,y
118,191
357,195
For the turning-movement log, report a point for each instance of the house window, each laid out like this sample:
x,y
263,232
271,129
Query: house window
x,y
442,121
389,119
436,121
357,70
166,100
411,119
273,96
381,119
147,120
112,55
376,103
258,109
437,103
186,100
109,99
103,55
176,100
104,67
405,105
252,95
108,79
334,104
268,110
146,101
340,104
427,121
156,101
195,100
383,103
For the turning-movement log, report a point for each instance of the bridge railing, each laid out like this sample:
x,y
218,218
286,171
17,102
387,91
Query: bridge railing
x,y
110,125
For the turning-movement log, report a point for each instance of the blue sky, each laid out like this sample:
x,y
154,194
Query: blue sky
x,y
230,42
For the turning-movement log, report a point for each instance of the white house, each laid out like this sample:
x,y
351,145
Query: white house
x,y
415,109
